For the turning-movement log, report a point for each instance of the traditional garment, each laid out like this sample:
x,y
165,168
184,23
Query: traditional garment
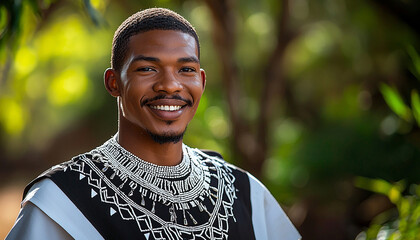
x,y
109,193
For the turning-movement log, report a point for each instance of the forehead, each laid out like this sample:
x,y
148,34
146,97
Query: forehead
x,y
162,43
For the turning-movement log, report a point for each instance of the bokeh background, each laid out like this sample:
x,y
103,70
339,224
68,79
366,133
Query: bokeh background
x,y
317,98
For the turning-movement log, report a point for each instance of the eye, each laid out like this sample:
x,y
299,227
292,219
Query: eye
x,y
187,69
145,69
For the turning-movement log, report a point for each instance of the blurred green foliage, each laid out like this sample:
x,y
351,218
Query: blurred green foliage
x,y
46,74
403,225
395,100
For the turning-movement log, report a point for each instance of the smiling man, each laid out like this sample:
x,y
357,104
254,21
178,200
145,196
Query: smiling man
x,y
144,183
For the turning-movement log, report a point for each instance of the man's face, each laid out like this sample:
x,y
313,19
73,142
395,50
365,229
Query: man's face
x,y
161,82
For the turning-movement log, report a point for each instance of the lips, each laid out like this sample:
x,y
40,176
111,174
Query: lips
x,y
167,109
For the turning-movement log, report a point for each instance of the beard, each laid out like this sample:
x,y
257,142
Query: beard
x,y
167,137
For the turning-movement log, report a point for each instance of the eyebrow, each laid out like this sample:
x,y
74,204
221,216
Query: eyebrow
x,y
154,59
145,58
188,59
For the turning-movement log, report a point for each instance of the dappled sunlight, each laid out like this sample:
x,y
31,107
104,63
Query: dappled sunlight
x,y
321,36
200,16
275,170
69,38
35,85
50,69
287,131
217,122
100,5
258,29
68,87
25,61
12,116
389,125
317,42
260,23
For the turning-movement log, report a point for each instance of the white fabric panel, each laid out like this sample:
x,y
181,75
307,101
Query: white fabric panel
x,y
32,223
57,208
268,218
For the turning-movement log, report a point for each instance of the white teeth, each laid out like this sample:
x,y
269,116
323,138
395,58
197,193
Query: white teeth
x,y
166,108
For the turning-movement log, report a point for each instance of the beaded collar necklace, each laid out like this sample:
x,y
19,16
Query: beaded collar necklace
x,y
179,183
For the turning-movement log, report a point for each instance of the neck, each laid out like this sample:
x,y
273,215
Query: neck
x,y
141,144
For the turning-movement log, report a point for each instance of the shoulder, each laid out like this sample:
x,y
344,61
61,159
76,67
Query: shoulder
x,y
59,170
240,177
32,223
40,193
217,158
46,196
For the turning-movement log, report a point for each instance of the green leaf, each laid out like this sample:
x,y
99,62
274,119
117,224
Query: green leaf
x,y
373,231
404,207
395,102
415,105
374,185
415,68
394,194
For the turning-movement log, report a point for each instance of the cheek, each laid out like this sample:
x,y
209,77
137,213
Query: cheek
x,y
196,89
131,98
135,90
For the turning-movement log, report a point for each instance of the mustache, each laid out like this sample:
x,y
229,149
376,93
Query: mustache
x,y
163,96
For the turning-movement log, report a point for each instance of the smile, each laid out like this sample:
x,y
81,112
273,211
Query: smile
x,y
166,107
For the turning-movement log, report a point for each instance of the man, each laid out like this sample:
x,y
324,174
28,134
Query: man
x,y
144,183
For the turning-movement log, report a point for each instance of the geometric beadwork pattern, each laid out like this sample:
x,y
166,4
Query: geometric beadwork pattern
x,y
193,200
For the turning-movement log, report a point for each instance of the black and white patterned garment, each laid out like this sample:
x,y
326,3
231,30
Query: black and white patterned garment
x,y
109,193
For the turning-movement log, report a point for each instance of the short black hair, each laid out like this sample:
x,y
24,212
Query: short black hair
x,y
143,21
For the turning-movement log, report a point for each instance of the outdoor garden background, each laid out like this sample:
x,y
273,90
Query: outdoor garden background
x,y
317,98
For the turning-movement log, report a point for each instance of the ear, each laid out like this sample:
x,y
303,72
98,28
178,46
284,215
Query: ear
x,y
110,81
203,77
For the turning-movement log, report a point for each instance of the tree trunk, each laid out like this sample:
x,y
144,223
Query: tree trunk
x,y
250,143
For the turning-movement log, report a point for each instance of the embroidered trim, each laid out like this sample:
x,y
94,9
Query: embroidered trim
x,y
198,194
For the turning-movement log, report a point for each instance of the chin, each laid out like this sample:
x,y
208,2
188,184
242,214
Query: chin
x,y
167,137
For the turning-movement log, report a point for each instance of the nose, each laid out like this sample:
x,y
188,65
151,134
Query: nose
x,y
167,83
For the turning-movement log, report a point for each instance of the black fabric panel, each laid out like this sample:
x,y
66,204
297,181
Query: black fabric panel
x,y
243,228
98,213
212,153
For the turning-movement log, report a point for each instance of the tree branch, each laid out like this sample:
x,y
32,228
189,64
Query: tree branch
x,y
274,78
